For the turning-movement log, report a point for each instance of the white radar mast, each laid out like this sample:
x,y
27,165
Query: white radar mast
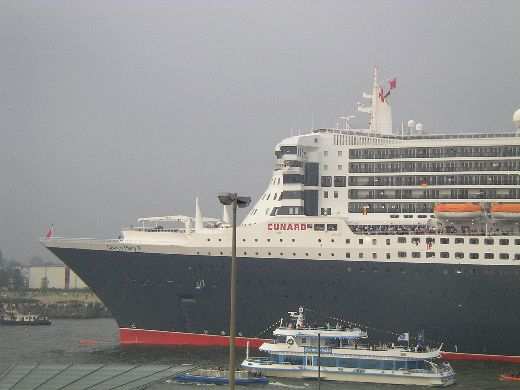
x,y
380,110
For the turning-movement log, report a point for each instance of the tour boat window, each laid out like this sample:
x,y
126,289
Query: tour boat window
x,y
473,240
503,241
489,256
430,254
459,255
332,227
459,240
319,227
489,241
401,254
445,255
445,240
504,256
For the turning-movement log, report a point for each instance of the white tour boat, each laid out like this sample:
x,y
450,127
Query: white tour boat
x,y
342,354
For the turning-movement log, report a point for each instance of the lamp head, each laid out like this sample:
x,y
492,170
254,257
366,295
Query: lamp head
x,y
227,198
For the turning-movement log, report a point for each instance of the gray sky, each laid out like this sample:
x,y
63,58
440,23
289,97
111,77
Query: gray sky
x,y
115,110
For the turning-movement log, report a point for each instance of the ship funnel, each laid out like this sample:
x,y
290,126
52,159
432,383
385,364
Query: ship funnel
x,y
198,216
225,215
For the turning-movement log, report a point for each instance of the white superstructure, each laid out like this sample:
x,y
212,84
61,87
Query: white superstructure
x,y
365,194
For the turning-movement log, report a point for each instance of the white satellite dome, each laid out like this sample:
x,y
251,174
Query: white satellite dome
x,y
419,127
516,118
411,123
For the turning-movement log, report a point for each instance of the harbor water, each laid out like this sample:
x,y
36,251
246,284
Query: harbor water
x,y
96,341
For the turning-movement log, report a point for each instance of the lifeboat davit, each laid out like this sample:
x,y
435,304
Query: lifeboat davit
x,y
505,210
458,210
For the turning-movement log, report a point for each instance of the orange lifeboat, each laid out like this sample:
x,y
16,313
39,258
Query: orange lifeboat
x,y
505,210
458,210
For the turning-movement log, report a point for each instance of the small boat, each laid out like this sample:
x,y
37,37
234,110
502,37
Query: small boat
x,y
505,210
15,318
220,377
510,377
342,354
458,210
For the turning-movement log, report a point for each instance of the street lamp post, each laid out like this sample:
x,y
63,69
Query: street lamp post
x,y
236,201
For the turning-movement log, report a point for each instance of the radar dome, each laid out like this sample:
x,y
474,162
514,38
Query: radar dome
x,y
516,118
419,127
411,123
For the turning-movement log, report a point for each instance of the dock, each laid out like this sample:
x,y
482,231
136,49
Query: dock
x,y
38,376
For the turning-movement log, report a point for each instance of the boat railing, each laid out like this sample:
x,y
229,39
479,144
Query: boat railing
x,y
261,360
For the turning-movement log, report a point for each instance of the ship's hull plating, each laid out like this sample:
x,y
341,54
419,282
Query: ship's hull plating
x,y
470,308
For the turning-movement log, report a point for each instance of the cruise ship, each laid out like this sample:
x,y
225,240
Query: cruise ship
x,y
409,229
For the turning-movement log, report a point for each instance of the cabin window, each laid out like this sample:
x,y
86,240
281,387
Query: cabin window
x,y
401,240
473,241
388,256
430,254
361,241
360,255
489,241
374,241
416,255
459,240
401,254
374,255
517,241
326,181
503,241
347,255
504,256
489,256
319,227
445,255
517,256
445,240
326,194
332,227
459,255
347,241
387,241
473,256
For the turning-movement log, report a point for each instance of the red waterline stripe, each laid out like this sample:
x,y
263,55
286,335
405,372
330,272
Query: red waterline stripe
x,y
129,336
454,356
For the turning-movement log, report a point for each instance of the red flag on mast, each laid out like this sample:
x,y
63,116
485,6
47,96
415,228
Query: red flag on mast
x,y
393,83
50,232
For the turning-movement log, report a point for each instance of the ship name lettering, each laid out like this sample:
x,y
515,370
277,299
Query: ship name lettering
x,y
286,226
124,248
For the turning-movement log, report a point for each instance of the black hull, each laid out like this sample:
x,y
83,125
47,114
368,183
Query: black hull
x,y
470,308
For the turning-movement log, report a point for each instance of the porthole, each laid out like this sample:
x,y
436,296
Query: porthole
x,y
319,239
281,239
281,253
220,240
256,239
243,240
332,254
294,254
221,253
306,253
347,241
349,269
293,240
209,239
268,240
269,253
319,254
209,253
198,253
332,240
245,253
256,253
